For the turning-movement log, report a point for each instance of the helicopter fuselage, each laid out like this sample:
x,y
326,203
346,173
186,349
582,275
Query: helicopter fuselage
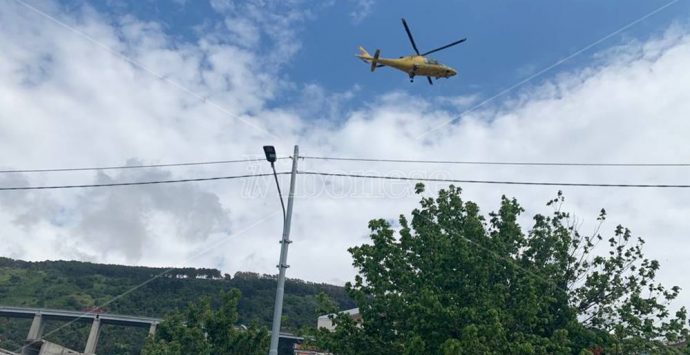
x,y
413,65
418,65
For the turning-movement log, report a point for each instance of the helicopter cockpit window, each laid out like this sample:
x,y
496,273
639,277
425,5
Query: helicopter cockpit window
x,y
431,61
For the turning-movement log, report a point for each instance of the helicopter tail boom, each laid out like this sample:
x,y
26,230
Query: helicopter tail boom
x,y
367,58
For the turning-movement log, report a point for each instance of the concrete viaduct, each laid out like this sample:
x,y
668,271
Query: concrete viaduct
x,y
35,345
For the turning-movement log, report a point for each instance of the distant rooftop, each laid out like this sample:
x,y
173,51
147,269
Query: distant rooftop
x,y
351,312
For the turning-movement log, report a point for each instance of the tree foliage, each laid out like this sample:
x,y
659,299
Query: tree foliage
x,y
452,281
202,330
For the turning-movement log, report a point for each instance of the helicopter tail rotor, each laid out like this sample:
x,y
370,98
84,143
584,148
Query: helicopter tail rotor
x,y
374,60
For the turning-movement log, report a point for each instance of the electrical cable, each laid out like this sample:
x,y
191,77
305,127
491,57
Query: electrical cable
x,y
56,187
476,162
133,166
164,78
548,68
194,256
495,182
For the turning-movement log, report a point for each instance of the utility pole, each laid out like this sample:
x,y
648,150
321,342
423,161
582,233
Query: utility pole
x,y
282,265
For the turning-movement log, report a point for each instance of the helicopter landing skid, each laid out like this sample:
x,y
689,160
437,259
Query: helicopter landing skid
x,y
412,73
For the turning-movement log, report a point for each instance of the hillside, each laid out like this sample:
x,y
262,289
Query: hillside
x,y
78,285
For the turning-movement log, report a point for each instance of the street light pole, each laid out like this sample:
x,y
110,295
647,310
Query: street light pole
x,y
282,265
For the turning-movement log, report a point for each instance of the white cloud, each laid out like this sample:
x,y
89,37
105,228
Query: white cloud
x,y
362,9
315,103
278,21
65,101
245,31
124,221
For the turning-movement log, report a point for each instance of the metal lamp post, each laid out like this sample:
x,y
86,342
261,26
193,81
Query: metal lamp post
x,y
284,243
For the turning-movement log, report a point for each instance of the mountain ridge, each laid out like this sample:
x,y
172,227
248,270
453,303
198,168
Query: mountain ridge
x,y
148,291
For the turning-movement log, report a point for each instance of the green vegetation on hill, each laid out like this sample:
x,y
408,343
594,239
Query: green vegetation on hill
x,y
76,285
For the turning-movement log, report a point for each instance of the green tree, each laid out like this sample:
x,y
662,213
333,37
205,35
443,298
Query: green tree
x,y
451,281
202,330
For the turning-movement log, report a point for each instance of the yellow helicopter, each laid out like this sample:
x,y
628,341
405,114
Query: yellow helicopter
x,y
413,65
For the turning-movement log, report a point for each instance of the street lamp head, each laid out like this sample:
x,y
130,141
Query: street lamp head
x,y
270,153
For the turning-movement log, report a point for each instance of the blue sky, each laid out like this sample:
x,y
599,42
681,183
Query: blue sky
x,y
507,40
115,82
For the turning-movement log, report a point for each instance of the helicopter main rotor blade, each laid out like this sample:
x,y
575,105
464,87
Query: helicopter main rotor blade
x,y
409,34
444,47
430,82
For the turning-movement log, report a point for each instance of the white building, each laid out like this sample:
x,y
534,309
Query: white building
x,y
325,322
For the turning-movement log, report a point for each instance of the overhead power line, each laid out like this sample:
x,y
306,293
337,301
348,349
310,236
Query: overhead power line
x,y
548,68
478,162
380,160
217,162
134,183
164,78
362,176
494,182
